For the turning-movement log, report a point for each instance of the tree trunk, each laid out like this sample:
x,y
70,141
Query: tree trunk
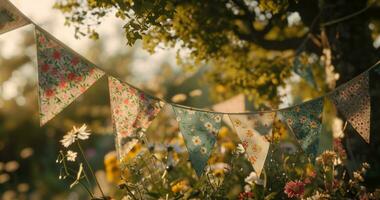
x,y
353,52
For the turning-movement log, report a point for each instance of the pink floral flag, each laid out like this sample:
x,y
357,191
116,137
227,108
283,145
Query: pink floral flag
x,y
62,75
254,131
354,102
10,17
132,112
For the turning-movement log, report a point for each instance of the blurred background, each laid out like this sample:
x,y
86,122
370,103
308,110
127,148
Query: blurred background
x,y
28,153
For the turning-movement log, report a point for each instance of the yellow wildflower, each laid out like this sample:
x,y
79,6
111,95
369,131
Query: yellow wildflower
x,y
223,132
180,186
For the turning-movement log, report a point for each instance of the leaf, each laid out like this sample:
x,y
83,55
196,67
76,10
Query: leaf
x,y
271,196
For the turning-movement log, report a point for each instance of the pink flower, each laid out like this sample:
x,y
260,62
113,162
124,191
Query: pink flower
x,y
56,55
142,96
49,93
42,39
45,67
71,76
62,84
126,101
294,189
75,61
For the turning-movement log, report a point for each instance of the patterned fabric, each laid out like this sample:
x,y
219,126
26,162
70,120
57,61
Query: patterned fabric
x,y
199,130
354,102
132,112
305,121
62,76
10,17
253,131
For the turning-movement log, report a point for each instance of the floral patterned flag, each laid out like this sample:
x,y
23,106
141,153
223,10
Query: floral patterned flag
x,y
132,112
254,131
354,102
305,121
10,17
62,76
304,71
199,130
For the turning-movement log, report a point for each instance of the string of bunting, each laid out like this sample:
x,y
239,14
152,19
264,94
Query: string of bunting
x,y
64,75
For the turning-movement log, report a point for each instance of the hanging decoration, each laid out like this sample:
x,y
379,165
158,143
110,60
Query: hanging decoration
x,y
304,71
62,76
132,112
255,132
10,17
199,130
305,121
354,102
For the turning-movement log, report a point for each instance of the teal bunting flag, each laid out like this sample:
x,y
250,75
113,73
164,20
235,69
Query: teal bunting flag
x,y
354,102
305,121
199,130
305,72
10,17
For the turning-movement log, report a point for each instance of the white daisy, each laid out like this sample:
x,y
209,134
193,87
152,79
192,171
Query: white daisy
x,y
203,150
218,118
83,133
71,155
209,126
69,138
196,140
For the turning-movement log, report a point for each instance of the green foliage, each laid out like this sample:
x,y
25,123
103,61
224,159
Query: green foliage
x,y
235,38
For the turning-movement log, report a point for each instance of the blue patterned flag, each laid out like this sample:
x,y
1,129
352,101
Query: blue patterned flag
x,y
199,130
305,72
254,131
305,121
10,17
354,102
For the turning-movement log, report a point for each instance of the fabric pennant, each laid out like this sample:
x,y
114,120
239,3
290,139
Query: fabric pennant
x,y
132,112
234,104
10,17
199,130
305,121
305,72
62,76
254,131
354,102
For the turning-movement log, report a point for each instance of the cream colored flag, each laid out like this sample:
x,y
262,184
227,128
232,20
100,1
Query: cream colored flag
x,y
254,132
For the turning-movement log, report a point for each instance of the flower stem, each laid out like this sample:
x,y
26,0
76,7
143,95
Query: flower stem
x,y
90,168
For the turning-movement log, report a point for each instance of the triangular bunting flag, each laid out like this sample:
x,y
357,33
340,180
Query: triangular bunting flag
x,y
304,71
254,131
234,104
10,17
132,112
354,102
305,121
62,76
199,130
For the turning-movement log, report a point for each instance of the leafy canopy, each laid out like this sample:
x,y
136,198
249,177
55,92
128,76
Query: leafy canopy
x,y
247,44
